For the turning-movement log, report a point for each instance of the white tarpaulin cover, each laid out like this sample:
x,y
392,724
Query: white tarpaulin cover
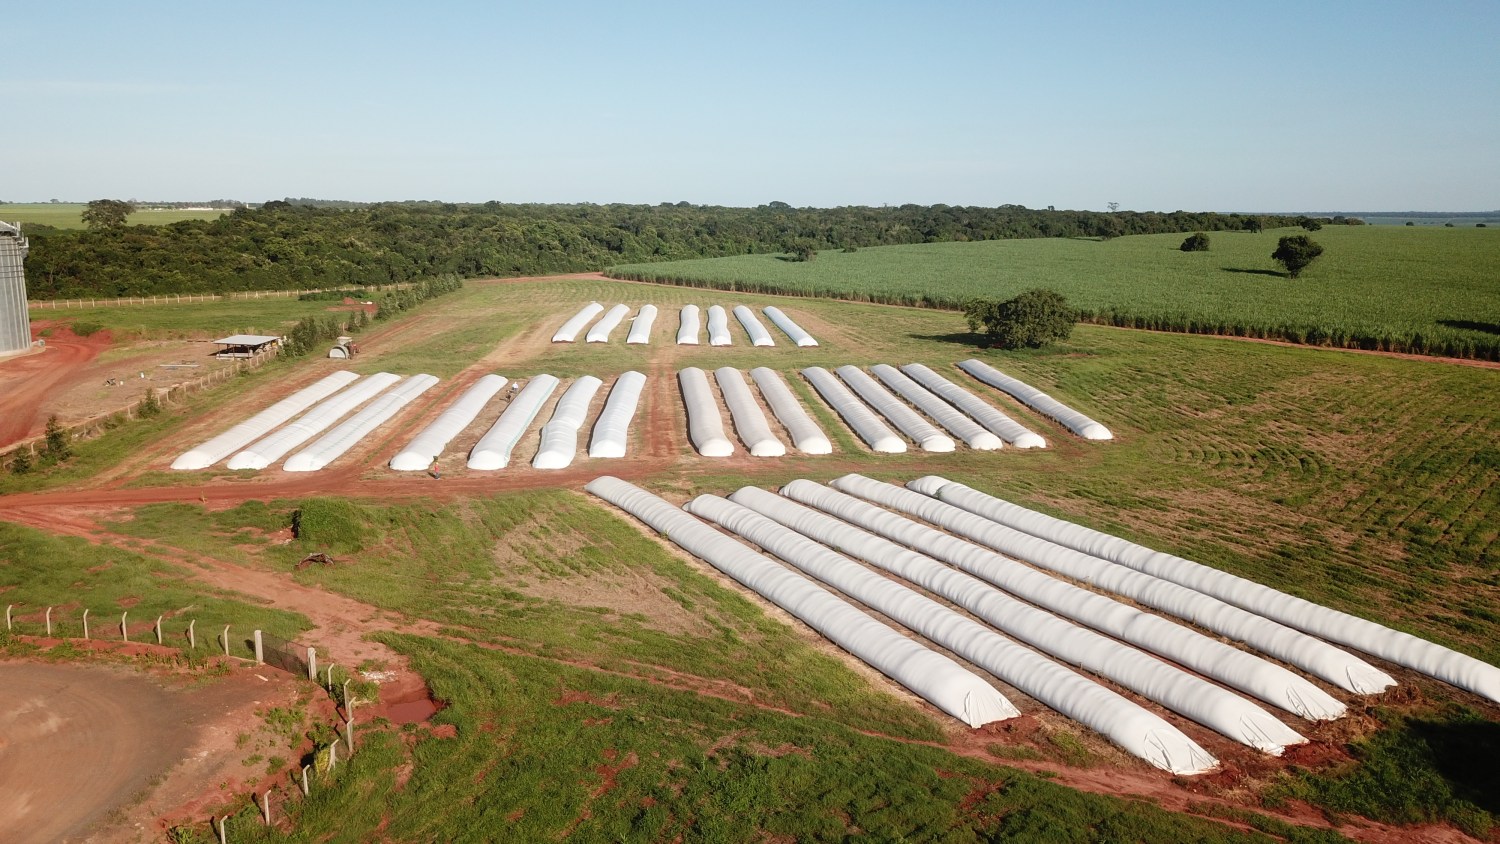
x,y
805,433
759,336
1290,646
1074,695
607,323
1163,682
860,419
691,323
705,424
560,435
612,430
1206,655
930,675
332,445
569,331
494,448
426,446
718,326
272,448
749,420
1037,400
904,418
792,329
972,433
262,423
1403,649
978,409
640,328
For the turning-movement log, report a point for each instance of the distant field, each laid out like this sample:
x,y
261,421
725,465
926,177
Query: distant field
x,y
190,320
69,215
1421,289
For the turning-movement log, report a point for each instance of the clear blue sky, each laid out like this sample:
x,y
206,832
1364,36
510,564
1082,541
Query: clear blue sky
x,y
1260,106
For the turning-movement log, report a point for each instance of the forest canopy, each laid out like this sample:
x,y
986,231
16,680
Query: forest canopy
x,y
291,245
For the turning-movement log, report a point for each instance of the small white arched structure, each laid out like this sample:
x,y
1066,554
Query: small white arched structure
x,y
749,420
705,423
560,435
904,418
1403,649
930,675
612,430
690,325
640,327
1037,400
792,329
268,450
759,336
860,419
494,448
805,433
332,445
607,323
718,326
426,446
569,331
972,433
978,409
262,423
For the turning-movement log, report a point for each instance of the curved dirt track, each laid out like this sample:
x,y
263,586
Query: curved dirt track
x,y
25,381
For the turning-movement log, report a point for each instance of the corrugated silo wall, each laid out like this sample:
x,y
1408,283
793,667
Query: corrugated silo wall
x,y
15,324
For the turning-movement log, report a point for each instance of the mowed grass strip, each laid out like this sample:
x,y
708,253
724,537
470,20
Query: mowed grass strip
x,y
1430,291
69,215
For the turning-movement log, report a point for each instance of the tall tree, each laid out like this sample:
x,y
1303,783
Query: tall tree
x,y
1034,318
107,213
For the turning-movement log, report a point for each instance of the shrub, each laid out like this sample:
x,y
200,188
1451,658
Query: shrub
x,y
150,406
1034,318
59,441
1196,242
86,329
1295,252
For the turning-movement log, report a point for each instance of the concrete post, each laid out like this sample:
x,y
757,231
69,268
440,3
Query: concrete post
x,y
124,631
7,616
226,640
333,754
260,652
349,734
85,624
49,622
158,630
192,639
223,839
304,780
328,672
312,664
265,806
348,707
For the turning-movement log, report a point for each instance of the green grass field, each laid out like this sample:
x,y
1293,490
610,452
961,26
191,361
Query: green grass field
x,y
69,215
191,320
574,642
1427,290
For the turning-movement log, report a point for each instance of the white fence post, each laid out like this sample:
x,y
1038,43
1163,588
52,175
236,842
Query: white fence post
x,y
226,640
260,654
85,624
265,805
222,838
7,617
192,639
312,664
304,780
158,630
333,754
124,631
49,622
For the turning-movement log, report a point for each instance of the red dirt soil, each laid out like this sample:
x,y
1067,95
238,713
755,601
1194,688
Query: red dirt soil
x,y
25,381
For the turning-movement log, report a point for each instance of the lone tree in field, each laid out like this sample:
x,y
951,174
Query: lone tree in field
x,y
802,250
1309,223
1034,318
107,213
1196,242
1295,252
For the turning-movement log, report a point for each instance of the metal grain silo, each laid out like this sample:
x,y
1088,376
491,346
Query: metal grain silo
x,y
15,323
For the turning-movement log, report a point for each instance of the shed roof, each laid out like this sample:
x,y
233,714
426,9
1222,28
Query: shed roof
x,y
247,340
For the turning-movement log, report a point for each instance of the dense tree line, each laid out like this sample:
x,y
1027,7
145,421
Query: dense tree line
x,y
290,245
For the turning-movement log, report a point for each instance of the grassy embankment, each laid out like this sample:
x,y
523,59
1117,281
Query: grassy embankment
x,y
1429,291
69,215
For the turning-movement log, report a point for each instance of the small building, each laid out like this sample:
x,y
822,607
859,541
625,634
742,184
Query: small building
x,y
245,345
